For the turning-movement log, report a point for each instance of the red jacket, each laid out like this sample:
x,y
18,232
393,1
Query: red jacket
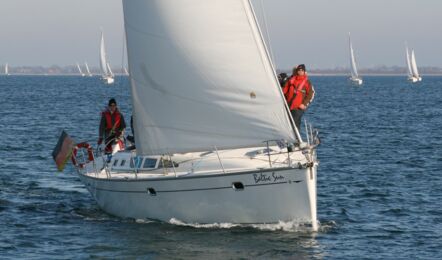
x,y
298,90
111,122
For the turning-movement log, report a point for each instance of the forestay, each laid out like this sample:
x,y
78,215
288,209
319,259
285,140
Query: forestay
x,y
201,77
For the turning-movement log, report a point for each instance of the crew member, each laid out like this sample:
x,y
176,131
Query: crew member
x,y
299,92
112,125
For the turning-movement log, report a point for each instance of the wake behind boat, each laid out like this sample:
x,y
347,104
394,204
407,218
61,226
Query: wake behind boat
x,y
207,112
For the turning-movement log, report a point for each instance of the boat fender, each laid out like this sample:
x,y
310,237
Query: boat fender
x,y
90,154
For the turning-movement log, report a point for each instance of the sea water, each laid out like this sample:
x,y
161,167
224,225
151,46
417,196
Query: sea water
x,y
379,178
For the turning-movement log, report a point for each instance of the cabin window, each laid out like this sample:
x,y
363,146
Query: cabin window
x,y
115,163
238,186
149,163
165,163
123,162
151,191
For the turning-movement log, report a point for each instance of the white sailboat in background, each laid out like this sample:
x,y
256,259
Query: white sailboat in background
x,y
414,66
106,74
126,72
188,164
6,69
412,72
89,74
109,70
79,70
354,72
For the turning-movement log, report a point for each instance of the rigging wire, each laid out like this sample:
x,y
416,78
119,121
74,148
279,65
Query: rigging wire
x,y
266,29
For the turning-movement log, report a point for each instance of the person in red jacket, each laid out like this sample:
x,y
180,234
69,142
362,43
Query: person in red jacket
x,y
112,125
298,92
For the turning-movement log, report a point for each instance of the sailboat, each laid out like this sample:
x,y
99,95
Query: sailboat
x,y
412,72
354,72
87,70
109,70
215,142
106,74
6,69
126,72
79,70
414,66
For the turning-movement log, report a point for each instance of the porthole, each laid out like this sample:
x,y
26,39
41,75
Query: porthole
x,y
238,186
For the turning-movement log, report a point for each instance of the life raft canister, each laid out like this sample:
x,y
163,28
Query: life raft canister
x,y
90,154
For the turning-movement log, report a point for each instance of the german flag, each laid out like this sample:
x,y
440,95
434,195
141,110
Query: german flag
x,y
63,150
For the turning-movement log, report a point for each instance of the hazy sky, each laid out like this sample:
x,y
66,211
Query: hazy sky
x,y
315,32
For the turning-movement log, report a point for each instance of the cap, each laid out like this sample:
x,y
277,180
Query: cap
x,y
112,101
300,67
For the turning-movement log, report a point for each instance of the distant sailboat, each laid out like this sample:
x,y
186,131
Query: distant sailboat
x,y
354,72
413,73
125,71
106,73
87,70
414,66
109,70
79,70
6,69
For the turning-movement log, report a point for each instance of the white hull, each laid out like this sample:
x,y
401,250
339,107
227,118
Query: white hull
x,y
211,199
414,79
356,81
108,80
268,195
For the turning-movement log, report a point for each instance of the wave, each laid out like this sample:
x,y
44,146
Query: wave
x,y
286,226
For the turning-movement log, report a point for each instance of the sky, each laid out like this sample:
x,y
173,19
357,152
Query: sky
x,y
314,32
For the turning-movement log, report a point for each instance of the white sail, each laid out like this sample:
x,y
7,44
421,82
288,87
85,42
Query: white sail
x,y
87,69
354,71
409,70
6,69
103,62
79,69
201,77
126,72
111,74
413,65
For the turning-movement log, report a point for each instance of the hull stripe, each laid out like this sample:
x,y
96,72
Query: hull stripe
x,y
187,190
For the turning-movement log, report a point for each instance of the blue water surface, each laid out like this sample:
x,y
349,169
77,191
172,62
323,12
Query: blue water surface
x,y
379,178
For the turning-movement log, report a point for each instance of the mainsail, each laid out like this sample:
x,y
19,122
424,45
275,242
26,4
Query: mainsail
x,y
109,70
79,69
413,65
87,69
409,70
103,63
201,78
354,71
